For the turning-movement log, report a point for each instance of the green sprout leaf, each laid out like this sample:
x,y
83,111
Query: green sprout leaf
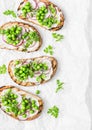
x,y
59,85
57,37
53,111
3,69
10,12
49,50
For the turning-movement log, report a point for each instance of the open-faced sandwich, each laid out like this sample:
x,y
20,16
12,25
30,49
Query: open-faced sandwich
x,y
42,13
34,71
19,36
19,104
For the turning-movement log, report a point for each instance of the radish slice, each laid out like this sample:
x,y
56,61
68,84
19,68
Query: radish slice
x,y
27,61
21,42
37,73
48,14
34,4
47,71
29,16
32,45
4,38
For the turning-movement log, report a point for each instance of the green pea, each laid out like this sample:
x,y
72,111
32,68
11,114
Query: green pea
x,y
23,103
19,28
33,105
40,12
9,36
9,90
42,17
40,21
24,11
11,94
37,91
27,4
31,111
24,116
38,79
36,108
22,111
7,110
27,7
23,8
13,36
19,113
33,101
49,26
28,107
13,29
46,11
28,10
7,31
17,31
16,41
9,101
17,62
26,101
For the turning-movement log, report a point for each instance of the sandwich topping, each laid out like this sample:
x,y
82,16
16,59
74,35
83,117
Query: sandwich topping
x,y
36,71
18,103
42,13
19,36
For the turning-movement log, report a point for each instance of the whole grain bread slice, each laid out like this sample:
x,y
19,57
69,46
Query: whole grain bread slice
x,y
59,26
24,93
54,67
24,25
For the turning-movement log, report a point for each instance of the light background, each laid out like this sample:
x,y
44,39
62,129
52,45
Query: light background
x,y
73,55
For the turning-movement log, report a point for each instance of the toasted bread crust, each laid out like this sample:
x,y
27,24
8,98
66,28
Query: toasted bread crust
x,y
24,25
59,26
38,98
54,66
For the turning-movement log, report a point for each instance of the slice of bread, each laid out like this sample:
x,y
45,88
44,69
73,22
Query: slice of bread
x,y
20,93
47,3
21,46
51,63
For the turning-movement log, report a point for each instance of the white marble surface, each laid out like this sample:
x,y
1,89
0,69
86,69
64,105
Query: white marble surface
x,y
73,55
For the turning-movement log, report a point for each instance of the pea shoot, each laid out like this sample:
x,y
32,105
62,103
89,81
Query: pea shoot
x,y
57,37
49,50
10,12
3,69
59,85
53,111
